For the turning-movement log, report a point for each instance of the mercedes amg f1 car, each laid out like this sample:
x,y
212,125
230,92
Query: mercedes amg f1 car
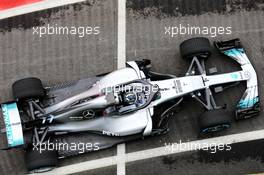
x,y
122,105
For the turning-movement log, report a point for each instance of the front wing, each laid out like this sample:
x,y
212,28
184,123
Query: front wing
x,y
249,104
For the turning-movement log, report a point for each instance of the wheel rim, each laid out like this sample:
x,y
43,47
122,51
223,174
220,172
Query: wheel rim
x,y
216,128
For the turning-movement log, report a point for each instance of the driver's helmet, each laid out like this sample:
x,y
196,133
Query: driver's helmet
x,y
130,97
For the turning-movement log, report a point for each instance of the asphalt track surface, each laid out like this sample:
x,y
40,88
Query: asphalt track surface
x,y
57,59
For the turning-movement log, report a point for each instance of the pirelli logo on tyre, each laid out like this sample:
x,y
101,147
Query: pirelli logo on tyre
x,y
178,86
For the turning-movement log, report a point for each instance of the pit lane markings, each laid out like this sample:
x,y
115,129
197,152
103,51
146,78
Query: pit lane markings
x,y
121,63
24,8
121,159
155,152
121,34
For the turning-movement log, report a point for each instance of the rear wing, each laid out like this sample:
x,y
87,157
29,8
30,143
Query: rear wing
x,y
249,104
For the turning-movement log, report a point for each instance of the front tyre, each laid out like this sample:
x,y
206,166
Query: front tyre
x,y
214,121
28,88
195,47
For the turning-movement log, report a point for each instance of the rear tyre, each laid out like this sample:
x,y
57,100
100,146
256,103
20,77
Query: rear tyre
x,y
28,88
37,162
199,47
214,121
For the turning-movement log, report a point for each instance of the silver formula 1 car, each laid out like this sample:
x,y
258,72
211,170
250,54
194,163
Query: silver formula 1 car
x,y
122,105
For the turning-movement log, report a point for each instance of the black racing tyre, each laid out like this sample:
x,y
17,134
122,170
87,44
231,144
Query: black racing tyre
x,y
214,121
199,47
37,162
28,88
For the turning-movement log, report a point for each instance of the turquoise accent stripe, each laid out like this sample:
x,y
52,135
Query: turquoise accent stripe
x,y
248,103
234,76
234,52
11,138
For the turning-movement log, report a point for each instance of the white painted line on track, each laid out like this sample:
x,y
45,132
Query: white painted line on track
x,y
83,166
121,62
121,159
165,150
121,34
156,152
28,8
